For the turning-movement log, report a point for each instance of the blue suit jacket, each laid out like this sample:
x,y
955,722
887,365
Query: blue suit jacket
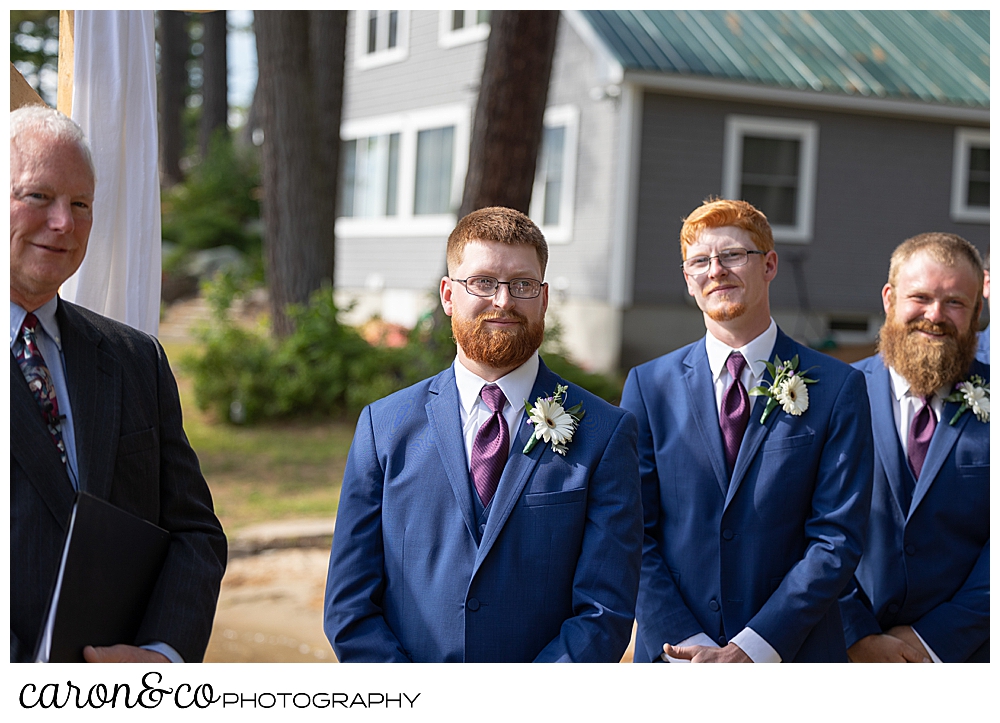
x,y
555,575
928,566
772,549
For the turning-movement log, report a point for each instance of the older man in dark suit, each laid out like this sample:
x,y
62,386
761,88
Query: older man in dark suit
x,y
94,408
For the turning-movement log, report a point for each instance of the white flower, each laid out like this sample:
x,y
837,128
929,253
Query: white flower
x,y
552,423
793,396
977,400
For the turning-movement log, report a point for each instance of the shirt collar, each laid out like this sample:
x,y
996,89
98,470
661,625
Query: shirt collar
x,y
901,387
46,314
516,385
756,352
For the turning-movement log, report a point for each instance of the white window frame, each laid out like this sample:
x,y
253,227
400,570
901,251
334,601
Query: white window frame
x,y
965,138
807,133
567,116
364,60
448,38
405,223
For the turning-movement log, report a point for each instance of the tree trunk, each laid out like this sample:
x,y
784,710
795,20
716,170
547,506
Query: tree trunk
x,y
298,208
214,88
507,129
174,45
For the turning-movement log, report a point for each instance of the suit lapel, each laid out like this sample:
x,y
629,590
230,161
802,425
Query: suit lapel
x,y
94,380
885,434
756,432
444,416
701,402
945,436
32,447
519,466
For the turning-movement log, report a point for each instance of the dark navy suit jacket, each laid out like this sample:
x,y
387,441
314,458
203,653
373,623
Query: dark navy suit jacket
x,y
772,549
927,566
132,452
555,575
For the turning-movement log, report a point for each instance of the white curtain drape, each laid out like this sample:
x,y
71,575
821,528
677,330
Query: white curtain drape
x,y
114,101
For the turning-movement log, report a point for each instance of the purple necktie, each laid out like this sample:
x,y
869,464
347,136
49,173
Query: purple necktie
x,y
40,381
735,411
491,446
918,439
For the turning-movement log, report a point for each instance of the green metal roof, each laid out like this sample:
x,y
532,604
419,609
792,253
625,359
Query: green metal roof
x,y
935,56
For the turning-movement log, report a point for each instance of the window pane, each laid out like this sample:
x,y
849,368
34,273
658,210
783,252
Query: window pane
x,y
372,30
770,177
979,177
551,169
434,162
457,19
348,156
392,175
393,26
482,16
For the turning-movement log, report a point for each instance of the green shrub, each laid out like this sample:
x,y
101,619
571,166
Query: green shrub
x,y
324,368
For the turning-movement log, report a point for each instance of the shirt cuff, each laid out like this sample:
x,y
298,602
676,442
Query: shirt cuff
x,y
698,639
172,655
759,650
927,647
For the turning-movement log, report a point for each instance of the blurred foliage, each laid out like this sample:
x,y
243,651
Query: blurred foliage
x,y
217,204
34,47
324,368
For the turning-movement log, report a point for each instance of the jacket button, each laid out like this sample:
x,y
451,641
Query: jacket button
x,y
713,606
473,604
727,534
722,641
911,549
482,529
893,608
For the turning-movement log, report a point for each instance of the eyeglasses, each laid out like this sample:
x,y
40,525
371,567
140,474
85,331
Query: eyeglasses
x,y
728,258
487,286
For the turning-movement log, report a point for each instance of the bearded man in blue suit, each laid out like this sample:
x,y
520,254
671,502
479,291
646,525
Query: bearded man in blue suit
x,y
451,543
754,511
922,590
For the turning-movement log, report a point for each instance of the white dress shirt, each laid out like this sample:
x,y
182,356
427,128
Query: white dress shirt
x,y
756,353
515,385
904,407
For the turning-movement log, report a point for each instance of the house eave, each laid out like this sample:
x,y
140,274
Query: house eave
x,y
730,90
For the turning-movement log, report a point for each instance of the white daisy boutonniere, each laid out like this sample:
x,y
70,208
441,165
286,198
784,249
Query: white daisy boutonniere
x,y
788,388
552,422
973,394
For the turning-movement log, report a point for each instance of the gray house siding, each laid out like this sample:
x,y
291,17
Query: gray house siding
x,y
879,180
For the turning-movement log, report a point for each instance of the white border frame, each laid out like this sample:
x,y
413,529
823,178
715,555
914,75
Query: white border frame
x,y
405,223
965,138
448,38
364,60
567,116
807,133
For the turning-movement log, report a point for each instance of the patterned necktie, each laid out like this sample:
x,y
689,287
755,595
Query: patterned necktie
x,y
491,446
735,410
40,381
918,439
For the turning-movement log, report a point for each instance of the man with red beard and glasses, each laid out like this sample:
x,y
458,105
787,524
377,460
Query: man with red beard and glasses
x,y
458,539
754,509
922,589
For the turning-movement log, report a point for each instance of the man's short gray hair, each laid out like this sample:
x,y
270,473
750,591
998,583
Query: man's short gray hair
x,y
51,123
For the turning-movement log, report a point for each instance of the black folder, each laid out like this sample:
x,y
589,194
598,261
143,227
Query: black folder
x,y
111,562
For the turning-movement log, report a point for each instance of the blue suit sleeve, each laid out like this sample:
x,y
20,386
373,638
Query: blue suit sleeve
x,y
957,628
856,612
607,573
834,532
661,611
353,620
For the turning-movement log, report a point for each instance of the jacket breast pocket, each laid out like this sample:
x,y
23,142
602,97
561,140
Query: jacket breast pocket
x,y
562,497
783,443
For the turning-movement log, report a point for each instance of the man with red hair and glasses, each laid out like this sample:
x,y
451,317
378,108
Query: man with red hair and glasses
x,y
922,589
458,539
755,457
